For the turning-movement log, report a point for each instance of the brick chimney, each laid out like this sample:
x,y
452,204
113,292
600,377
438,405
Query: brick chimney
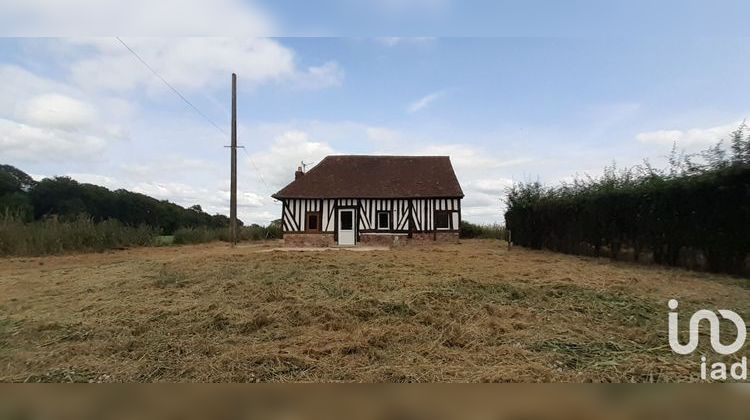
x,y
298,173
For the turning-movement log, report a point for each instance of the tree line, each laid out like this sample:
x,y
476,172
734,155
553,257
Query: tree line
x,y
23,198
695,213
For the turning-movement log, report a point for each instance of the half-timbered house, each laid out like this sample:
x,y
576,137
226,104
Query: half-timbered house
x,y
350,200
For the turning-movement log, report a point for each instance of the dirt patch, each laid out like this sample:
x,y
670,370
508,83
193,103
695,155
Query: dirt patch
x,y
455,312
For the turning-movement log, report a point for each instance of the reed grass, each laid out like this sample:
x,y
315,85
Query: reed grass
x,y
52,236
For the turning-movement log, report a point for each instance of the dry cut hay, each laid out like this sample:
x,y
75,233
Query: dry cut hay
x,y
454,313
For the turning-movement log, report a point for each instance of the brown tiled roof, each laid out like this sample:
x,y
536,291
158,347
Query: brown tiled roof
x,y
358,176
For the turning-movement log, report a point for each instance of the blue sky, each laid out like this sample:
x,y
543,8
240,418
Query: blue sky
x,y
551,101
569,18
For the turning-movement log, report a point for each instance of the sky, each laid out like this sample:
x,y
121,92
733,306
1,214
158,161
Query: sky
x,y
511,91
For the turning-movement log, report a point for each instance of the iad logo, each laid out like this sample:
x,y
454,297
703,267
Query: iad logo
x,y
713,322
718,370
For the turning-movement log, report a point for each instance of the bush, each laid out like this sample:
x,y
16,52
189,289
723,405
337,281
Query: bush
x,y
469,230
51,236
198,235
256,232
56,236
244,233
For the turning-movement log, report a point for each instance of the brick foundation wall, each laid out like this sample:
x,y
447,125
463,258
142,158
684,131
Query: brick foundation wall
x,y
383,240
322,240
315,240
448,237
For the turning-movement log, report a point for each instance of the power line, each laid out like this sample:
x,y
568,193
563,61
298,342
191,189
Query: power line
x,y
171,87
260,175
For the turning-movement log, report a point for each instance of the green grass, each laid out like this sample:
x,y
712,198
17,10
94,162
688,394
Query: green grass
x,y
164,240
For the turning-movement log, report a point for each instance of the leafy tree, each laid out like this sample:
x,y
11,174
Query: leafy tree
x,y
8,184
18,177
16,205
14,200
68,199
740,145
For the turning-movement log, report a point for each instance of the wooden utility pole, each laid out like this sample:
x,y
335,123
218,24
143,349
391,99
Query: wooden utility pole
x,y
233,182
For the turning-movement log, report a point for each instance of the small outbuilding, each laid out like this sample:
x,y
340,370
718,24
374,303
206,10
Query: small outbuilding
x,y
379,200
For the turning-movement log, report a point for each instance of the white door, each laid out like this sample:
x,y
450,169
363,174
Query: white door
x,y
346,226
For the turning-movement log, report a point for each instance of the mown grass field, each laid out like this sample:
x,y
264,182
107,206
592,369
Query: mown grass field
x,y
468,312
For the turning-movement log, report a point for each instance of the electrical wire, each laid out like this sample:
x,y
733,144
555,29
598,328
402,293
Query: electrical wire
x,y
195,108
260,175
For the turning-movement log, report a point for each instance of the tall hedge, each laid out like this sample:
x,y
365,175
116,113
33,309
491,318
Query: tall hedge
x,y
696,221
695,215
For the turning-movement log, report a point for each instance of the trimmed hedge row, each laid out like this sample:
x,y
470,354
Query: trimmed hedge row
x,y
697,221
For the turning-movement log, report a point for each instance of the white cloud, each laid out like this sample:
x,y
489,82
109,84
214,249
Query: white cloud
x,y
249,199
424,102
261,216
465,156
96,179
176,165
659,136
483,201
43,120
194,64
689,138
19,85
35,18
278,163
495,186
57,111
329,74
181,193
19,141
47,120
186,63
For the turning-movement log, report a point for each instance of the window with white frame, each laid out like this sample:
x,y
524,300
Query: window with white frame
x,y
384,220
442,219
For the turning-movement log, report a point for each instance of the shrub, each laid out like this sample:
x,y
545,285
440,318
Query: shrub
x,y
51,236
253,232
256,232
494,231
198,235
